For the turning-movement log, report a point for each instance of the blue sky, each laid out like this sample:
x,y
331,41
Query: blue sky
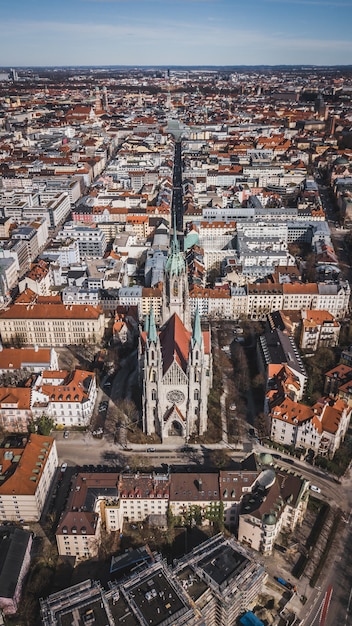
x,y
175,32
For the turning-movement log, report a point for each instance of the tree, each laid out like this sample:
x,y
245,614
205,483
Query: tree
x,y
262,426
45,425
125,413
219,458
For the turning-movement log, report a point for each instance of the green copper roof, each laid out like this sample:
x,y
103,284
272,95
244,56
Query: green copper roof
x,y
190,240
152,334
197,337
175,264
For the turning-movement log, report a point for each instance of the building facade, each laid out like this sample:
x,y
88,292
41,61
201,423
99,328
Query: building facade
x,y
175,363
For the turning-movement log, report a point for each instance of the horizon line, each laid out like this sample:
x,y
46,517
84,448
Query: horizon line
x,y
172,66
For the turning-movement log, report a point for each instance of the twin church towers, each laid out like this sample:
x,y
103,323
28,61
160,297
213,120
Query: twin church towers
x,y
175,361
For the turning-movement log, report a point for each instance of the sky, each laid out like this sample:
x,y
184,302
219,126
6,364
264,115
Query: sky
x,y
175,32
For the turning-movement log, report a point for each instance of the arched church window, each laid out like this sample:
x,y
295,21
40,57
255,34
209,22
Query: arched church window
x,y
197,355
196,394
153,394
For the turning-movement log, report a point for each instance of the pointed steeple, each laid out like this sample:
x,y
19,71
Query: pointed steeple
x,y
146,324
175,264
197,337
152,334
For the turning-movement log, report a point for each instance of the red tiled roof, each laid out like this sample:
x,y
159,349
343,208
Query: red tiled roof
x,y
32,457
13,358
174,340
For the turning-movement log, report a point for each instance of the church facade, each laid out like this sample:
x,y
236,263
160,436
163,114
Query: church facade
x,y
175,361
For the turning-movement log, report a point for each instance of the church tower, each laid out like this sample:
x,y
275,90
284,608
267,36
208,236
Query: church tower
x,y
175,296
152,361
175,361
199,375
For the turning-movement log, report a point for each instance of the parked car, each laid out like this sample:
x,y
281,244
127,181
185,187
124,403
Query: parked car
x,y
64,467
150,449
66,434
315,488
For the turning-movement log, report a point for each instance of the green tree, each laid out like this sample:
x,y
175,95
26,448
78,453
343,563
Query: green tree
x,y
45,425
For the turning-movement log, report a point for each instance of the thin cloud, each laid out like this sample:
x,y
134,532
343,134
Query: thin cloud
x,y
163,29
164,42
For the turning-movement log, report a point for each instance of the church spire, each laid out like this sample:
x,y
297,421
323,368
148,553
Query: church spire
x,y
197,337
152,334
175,264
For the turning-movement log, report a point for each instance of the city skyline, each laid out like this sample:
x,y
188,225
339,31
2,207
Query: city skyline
x,y
176,32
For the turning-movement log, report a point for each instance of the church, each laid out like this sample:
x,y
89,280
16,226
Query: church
x,y
175,361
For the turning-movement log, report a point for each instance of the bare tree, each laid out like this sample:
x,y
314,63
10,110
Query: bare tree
x,y
124,414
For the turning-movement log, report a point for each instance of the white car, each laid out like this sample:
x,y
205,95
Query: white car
x,y
64,467
314,488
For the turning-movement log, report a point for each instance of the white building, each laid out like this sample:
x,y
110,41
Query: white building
x,y
68,398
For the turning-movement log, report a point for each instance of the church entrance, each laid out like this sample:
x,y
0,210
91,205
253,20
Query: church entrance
x,y
175,429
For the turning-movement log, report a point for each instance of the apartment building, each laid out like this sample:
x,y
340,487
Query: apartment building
x,y
63,252
319,329
153,594
91,240
277,503
57,204
321,427
142,495
144,298
69,398
34,236
233,486
211,303
8,278
262,299
334,298
277,348
28,467
39,279
331,297
79,528
222,579
195,496
15,408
